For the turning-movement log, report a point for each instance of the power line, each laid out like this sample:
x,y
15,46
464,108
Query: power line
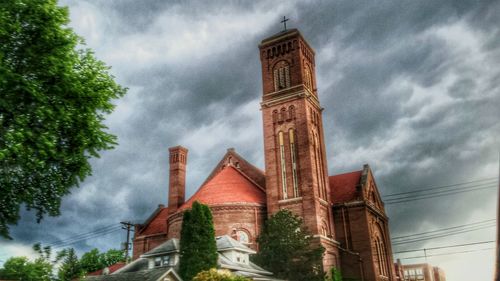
x,y
427,196
84,236
446,247
445,229
447,254
81,236
419,239
442,191
105,228
439,187
442,229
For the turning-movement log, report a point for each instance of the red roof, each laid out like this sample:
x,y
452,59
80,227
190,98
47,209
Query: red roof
x,y
156,225
112,268
343,186
227,186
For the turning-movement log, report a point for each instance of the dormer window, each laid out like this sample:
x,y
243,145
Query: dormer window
x,y
162,261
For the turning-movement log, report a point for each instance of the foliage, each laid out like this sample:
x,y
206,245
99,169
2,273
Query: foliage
x,y
20,268
52,105
287,249
94,260
198,248
335,275
70,267
218,275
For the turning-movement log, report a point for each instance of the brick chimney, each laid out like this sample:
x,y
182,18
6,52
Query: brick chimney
x,y
177,177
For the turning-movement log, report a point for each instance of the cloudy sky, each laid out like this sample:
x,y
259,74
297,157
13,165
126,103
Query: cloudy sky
x,y
410,87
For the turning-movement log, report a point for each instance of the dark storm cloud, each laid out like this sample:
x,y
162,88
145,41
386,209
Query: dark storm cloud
x,y
410,87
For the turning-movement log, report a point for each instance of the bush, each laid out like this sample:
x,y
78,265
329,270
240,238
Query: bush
x,y
218,275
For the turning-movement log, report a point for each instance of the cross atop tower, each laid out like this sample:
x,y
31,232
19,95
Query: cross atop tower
x,y
284,22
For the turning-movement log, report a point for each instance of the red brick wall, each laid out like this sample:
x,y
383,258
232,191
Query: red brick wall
x,y
177,178
143,244
227,220
355,232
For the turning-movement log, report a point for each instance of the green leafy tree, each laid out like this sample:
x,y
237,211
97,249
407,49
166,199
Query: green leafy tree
x,y
335,275
198,248
288,250
91,261
94,260
70,267
53,100
20,268
218,275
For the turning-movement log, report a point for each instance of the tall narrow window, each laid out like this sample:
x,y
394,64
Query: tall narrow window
x,y
293,156
307,77
317,161
283,165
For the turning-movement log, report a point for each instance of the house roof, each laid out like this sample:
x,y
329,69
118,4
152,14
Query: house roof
x,y
228,186
225,243
171,245
153,274
343,187
157,223
111,269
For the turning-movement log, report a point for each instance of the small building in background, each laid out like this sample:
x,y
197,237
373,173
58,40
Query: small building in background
x,y
422,272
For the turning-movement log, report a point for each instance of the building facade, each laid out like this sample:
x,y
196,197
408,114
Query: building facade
x,y
422,272
345,212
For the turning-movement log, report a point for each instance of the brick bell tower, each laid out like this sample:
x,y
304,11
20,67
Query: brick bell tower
x,y
294,147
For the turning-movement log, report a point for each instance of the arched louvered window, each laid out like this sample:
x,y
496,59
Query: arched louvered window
x,y
281,76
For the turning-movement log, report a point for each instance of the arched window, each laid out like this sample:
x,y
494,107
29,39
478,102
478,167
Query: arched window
x,y
283,116
293,156
380,252
275,116
242,236
308,77
291,112
283,165
281,76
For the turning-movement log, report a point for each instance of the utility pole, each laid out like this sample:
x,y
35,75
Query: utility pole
x,y
127,226
497,263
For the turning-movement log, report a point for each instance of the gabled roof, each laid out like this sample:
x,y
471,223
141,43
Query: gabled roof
x,y
227,186
156,223
172,245
343,187
232,158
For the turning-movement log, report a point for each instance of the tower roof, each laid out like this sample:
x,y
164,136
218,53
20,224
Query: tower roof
x,y
228,186
284,35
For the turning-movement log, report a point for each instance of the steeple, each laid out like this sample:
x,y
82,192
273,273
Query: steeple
x,y
294,147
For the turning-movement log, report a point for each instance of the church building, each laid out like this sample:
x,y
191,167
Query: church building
x,y
345,212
